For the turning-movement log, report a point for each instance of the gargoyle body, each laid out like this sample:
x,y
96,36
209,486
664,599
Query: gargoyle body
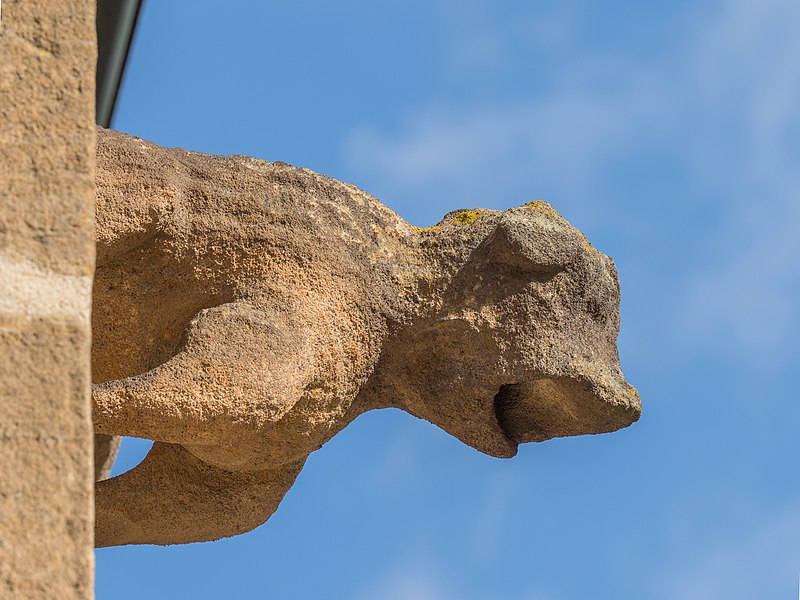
x,y
244,312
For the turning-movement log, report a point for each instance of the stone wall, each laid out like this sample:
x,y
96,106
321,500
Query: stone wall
x,y
47,136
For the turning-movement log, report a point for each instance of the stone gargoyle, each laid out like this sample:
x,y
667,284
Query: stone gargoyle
x,y
245,312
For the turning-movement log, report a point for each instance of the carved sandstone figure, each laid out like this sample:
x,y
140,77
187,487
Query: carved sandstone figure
x,y
246,311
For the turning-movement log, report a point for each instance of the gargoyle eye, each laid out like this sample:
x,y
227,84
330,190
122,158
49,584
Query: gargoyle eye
x,y
530,247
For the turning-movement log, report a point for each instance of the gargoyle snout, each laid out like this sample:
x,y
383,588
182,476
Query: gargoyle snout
x,y
533,242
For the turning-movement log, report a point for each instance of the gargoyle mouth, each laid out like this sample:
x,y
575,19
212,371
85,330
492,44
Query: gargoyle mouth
x,y
551,407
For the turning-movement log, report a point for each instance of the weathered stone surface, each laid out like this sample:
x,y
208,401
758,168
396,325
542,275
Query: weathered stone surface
x,y
47,156
246,311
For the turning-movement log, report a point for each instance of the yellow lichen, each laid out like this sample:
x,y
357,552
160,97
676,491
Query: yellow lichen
x,y
540,204
421,229
586,243
544,207
467,217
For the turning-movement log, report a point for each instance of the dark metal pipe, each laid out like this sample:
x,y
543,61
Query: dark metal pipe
x,y
116,22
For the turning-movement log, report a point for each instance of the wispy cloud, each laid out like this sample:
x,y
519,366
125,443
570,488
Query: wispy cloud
x,y
493,519
722,104
421,577
744,300
743,295
763,564
491,154
410,581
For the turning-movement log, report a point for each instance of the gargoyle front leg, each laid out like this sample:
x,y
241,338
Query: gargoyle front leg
x,y
173,497
253,390
242,367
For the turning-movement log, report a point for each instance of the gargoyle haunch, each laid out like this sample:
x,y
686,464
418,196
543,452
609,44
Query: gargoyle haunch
x,y
244,312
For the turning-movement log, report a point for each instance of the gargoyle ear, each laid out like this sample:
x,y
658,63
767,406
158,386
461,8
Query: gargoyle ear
x,y
533,245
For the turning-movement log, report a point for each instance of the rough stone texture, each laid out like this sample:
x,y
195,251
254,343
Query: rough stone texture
x,y
246,311
46,261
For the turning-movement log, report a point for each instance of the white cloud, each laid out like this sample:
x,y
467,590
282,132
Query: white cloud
x,y
415,582
746,297
723,102
420,577
743,297
488,544
486,154
763,564
399,460
480,43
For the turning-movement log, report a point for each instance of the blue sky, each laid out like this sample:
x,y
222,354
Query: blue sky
x,y
668,133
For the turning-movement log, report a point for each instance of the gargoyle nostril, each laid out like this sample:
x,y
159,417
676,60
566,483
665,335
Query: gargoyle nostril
x,y
543,408
505,399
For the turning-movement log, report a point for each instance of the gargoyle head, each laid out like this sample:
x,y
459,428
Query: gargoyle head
x,y
518,343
